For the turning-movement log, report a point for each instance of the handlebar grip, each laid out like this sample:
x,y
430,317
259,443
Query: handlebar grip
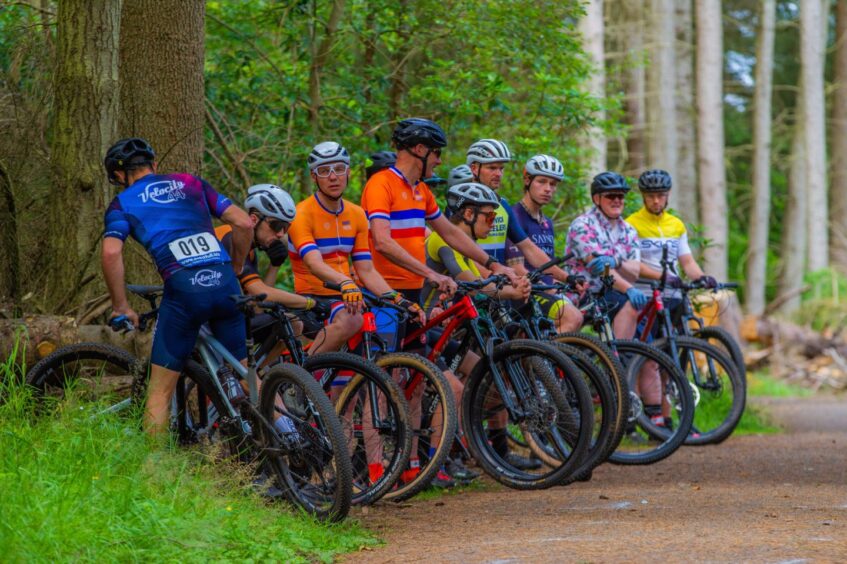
x,y
332,286
728,285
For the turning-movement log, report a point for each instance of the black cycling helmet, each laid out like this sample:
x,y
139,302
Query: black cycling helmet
x,y
380,161
655,180
413,131
133,150
608,182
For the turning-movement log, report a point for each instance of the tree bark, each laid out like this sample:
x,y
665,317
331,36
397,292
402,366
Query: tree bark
x,y
710,146
661,94
684,193
793,245
812,41
86,105
760,214
838,194
632,12
161,63
320,55
591,28
9,242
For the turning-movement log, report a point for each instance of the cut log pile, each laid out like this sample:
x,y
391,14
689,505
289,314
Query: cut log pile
x,y
795,353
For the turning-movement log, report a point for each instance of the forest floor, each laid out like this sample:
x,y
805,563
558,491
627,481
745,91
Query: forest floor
x,y
756,498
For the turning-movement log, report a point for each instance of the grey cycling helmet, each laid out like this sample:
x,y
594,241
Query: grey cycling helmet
x,y
471,194
545,165
609,182
655,180
270,201
328,152
488,151
380,161
458,175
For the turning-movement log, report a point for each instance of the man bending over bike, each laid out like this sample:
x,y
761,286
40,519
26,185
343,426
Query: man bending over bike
x,y
171,216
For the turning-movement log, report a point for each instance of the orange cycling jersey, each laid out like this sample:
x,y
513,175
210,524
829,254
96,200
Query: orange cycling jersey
x,y
335,235
389,196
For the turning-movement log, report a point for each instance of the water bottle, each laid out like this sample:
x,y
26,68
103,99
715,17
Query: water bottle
x,y
232,387
285,427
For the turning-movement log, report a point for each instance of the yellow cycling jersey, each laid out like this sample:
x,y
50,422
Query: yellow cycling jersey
x,y
443,259
654,231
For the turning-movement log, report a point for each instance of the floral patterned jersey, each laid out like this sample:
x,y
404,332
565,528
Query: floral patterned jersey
x,y
593,233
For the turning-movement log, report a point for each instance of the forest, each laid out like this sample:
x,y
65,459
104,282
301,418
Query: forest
x,y
743,101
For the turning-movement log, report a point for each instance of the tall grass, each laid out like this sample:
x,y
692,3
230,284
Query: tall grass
x,y
77,484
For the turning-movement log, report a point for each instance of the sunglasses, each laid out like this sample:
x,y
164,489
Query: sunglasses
x,y
489,217
277,225
338,169
614,197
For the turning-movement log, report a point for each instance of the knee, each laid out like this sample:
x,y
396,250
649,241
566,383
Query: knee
x,y
348,324
571,319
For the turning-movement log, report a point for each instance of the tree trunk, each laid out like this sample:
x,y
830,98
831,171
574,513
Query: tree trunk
x,y
591,28
162,98
684,193
710,146
632,12
838,194
661,94
161,61
812,41
86,105
760,214
320,55
793,245
9,242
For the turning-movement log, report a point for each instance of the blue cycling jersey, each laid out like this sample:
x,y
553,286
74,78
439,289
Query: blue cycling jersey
x,y
171,216
505,226
539,230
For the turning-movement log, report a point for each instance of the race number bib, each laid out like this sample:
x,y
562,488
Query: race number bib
x,y
194,249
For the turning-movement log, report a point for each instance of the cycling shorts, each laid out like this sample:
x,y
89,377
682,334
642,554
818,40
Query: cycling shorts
x,y
314,322
192,297
552,305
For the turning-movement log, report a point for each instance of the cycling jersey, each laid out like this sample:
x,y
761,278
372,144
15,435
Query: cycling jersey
x,y
506,226
250,273
539,230
655,231
336,235
443,259
593,234
389,196
169,214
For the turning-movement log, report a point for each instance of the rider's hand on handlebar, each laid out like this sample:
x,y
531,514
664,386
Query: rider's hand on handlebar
x,y
352,297
414,309
599,264
509,273
445,284
524,288
672,281
127,312
637,298
708,282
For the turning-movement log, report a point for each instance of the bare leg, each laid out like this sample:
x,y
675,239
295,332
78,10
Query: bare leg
x,y
160,390
334,335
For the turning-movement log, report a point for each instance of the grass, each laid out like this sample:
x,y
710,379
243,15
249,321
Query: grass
x,y
81,487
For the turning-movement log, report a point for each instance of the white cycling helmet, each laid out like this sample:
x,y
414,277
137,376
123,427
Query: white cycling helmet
x,y
488,151
545,165
458,175
271,201
328,152
471,193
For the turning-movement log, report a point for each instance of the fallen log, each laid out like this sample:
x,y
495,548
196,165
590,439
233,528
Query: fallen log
x,y
36,336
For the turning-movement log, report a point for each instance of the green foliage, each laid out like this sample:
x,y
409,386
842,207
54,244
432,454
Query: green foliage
x,y
81,485
825,302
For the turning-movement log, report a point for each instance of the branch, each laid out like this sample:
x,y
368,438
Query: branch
x,y
222,142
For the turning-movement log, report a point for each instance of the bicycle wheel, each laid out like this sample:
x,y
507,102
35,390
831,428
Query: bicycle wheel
x,y
92,372
608,362
378,430
604,407
309,460
434,418
528,375
719,393
645,442
720,338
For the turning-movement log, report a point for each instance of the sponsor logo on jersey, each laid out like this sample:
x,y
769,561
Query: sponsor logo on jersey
x,y
207,278
165,192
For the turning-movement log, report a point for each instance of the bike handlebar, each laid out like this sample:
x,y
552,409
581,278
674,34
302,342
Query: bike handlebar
x,y
555,261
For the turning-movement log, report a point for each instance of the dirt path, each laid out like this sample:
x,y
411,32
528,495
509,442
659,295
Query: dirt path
x,y
779,498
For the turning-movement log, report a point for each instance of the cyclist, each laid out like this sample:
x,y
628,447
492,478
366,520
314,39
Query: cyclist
x,y
600,238
541,177
380,161
460,175
271,212
171,216
657,228
487,160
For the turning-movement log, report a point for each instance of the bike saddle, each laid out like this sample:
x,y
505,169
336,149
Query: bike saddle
x,y
145,292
